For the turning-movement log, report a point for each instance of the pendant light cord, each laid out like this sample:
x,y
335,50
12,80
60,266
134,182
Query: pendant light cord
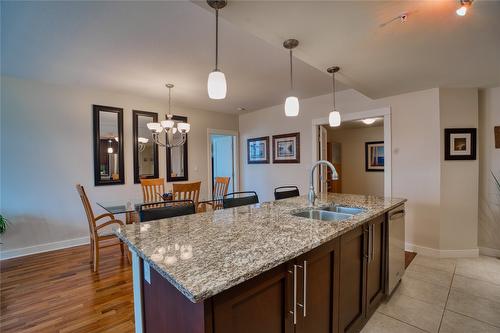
x,y
333,85
291,71
216,39
169,101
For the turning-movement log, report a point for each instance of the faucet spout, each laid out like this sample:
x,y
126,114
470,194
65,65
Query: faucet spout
x,y
311,195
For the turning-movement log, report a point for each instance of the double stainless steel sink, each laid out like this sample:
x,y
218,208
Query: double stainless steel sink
x,y
334,213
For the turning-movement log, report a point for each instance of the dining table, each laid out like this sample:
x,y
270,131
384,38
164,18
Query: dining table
x,y
131,207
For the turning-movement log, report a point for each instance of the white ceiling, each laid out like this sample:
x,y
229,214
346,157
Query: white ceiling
x,y
139,46
352,124
136,47
433,48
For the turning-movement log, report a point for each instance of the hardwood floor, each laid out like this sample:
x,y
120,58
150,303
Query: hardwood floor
x,y
409,256
58,292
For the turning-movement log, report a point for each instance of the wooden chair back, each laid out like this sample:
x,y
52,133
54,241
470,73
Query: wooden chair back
x,y
88,209
152,189
187,191
220,187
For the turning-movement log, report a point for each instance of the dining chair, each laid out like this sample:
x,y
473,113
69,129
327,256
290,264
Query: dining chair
x,y
152,189
237,199
284,192
187,191
95,228
221,186
171,208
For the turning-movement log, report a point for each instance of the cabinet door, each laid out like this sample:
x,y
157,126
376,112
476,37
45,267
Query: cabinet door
x,y
352,293
261,304
317,287
375,276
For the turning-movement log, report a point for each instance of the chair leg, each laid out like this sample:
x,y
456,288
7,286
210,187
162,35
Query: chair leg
x,y
91,250
96,255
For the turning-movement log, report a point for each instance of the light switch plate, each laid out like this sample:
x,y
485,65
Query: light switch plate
x,y
147,273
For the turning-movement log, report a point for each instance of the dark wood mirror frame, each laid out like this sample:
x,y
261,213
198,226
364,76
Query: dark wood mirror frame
x,y
135,130
97,146
185,148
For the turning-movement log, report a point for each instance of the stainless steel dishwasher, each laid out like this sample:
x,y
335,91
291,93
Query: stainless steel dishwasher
x,y
396,231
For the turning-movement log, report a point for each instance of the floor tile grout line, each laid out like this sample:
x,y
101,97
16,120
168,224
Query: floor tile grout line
x,y
481,280
447,298
468,316
404,322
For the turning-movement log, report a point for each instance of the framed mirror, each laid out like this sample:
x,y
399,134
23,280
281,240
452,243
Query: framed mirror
x,y
145,150
108,145
177,157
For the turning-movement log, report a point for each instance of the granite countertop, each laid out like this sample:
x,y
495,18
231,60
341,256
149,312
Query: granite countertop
x,y
207,253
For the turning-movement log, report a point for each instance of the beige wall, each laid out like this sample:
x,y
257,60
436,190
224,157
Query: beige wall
x,y
355,178
415,152
46,138
489,160
459,179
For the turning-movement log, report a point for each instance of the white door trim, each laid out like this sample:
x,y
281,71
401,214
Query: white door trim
x,y
236,158
373,113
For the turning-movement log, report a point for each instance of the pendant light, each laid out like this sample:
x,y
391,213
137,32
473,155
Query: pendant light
x,y
291,102
334,116
216,84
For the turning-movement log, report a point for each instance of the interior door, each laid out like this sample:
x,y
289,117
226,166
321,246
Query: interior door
x,y
323,150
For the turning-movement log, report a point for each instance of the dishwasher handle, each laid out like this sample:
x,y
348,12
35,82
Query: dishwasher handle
x,y
398,214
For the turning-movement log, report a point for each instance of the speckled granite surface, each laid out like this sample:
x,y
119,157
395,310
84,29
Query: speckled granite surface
x,y
204,254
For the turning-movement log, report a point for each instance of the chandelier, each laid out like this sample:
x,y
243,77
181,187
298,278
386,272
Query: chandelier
x,y
169,127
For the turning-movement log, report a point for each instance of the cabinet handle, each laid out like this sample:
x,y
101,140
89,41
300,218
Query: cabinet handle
x,y
372,255
370,243
399,213
305,286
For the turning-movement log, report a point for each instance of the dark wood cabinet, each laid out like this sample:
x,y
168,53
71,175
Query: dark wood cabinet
x,y
317,288
376,263
352,295
332,288
362,273
261,305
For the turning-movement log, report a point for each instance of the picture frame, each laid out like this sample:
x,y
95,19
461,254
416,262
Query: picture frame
x,y
374,156
286,148
496,130
460,144
258,150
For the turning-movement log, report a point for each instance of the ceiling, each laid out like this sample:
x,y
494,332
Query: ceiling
x,y
433,48
350,124
137,47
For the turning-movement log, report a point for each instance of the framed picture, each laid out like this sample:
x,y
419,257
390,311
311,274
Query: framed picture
x,y
286,148
459,143
374,156
258,150
497,137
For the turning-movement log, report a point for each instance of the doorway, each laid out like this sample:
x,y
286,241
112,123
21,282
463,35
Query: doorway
x,y
334,152
223,158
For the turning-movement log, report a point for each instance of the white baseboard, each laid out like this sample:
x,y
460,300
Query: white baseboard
x,y
431,252
486,251
14,253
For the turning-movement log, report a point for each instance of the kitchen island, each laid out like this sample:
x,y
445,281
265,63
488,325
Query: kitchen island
x,y
261,268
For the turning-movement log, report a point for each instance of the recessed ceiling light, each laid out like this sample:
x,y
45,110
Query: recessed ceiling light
x,y
241,108
369,121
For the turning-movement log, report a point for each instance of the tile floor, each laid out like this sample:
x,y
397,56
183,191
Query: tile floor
x,y
443,295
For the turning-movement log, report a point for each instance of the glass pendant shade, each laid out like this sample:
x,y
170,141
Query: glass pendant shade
x,y
168,124
216,85
183,127
334,119
462,11
110,150
292,106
